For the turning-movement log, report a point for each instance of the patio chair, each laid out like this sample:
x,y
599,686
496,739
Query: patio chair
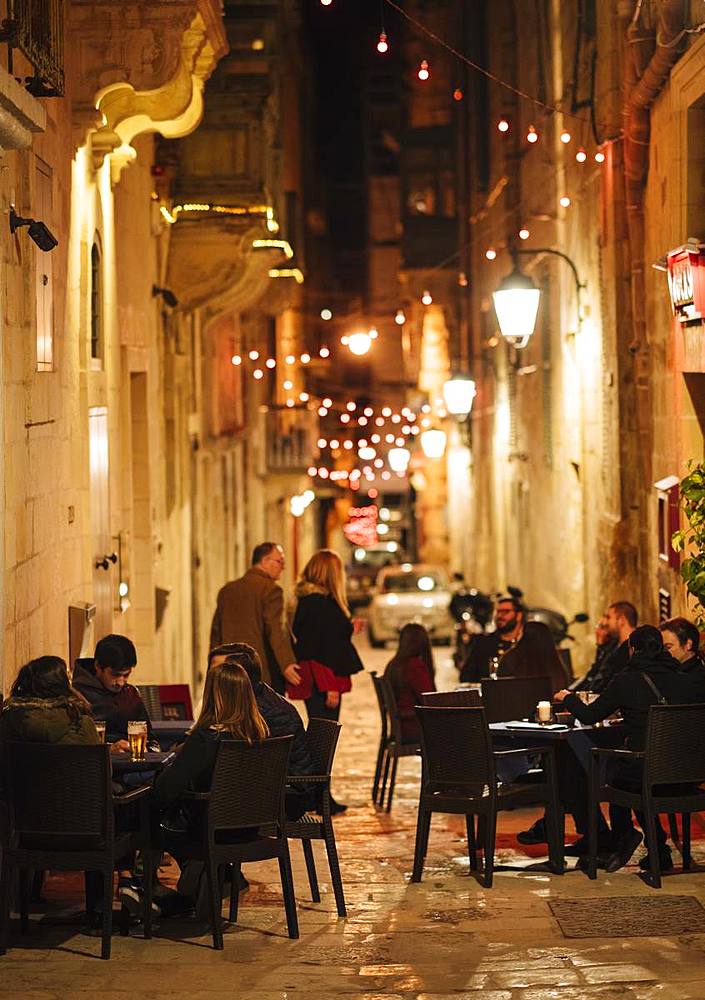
x,y
395,746
459,777
511,698
383,736
467,698
321,741
246,799
60,815
674,756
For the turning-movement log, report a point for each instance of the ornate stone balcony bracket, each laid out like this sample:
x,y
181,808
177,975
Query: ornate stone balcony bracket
x,y
21,115
143,66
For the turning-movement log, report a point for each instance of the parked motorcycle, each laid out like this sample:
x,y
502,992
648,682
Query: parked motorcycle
x,y
472,610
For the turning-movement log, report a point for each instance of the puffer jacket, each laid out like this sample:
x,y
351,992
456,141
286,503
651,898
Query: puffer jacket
x,y
47,720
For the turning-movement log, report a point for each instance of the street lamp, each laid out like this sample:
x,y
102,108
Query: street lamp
x,y
399,459
433,443
359,343
516,301
459,392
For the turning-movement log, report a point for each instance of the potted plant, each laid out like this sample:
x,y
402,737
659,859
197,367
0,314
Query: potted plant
x,y
692,538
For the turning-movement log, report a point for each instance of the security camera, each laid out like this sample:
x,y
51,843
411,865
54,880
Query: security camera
x,y
38,231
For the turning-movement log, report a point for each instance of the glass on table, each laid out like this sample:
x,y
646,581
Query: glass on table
x,y
100,728
137,736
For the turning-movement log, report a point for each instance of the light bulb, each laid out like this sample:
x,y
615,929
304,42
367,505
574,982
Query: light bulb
x,y
322,442
326,3
532,135
324,352
427,298
290,359
368,411
457,94
351,406
304,397
386,411
253,355
524,234
382,44
373,333
400,317
326,314
502,125
288,385
271,363
359,343
347,444
599,156
564,202
236,359
424,72
334,444
290,403
565,136
345,418
322,411
258,373
327,402
491,253
305,358
581,155
362,421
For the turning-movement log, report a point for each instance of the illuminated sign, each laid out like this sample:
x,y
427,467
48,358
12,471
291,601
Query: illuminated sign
x,y
361,528
686,282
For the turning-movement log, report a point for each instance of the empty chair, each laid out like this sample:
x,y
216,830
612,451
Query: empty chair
x,y
511,698
673,768
466,698
150,696
396,746
247,793
321,742
459,776
383,735
175,701
61,817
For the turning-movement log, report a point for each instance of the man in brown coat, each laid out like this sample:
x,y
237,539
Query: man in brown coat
x,y
251,610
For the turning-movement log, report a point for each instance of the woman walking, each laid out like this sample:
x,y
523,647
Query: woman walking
x,y
323,631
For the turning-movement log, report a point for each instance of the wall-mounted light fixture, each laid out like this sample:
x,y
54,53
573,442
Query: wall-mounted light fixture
x,y
38,231
167,295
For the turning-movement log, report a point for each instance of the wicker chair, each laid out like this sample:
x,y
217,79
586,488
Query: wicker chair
x,y
247,792
674,755
396,746
321,740
383,736
467,698
61,816
510,698
460,777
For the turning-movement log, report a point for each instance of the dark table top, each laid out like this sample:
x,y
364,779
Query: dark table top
x,y
549,733
122,763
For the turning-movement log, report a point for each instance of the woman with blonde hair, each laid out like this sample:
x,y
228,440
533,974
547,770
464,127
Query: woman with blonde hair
x,y
323,631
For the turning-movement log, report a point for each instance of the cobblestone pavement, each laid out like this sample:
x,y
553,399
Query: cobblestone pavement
x,y
445,938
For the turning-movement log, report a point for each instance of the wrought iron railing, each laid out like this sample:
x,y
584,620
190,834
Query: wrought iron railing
x,y
36,28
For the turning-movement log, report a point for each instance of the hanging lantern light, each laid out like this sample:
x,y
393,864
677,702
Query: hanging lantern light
x,y
516,303
459,392
399,459
424,72
433,443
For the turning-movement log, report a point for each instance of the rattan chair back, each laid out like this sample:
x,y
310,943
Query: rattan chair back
x,y
675,744
381,704
511,698
457,749
467,698
321,741
247,788
59,797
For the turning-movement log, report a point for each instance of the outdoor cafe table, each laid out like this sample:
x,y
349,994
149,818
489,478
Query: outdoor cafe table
x,y
580,739
122,763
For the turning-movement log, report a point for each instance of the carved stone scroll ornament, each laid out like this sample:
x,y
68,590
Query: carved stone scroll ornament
x,y
140,66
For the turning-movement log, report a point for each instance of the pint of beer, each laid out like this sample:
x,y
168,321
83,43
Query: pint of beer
x,y
137,735
100,729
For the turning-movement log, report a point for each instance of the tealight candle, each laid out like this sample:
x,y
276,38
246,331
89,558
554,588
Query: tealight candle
x,y
544,711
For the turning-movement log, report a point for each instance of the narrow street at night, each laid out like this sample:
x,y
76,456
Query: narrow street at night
x,y
444,939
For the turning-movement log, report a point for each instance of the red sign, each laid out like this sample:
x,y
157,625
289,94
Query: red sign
x,y
686,282
361,529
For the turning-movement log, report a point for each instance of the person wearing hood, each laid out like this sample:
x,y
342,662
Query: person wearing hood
x,y
104,683
323,630
44,708
651,677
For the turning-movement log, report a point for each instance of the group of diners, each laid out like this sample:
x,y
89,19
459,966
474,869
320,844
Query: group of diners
x,y
635,667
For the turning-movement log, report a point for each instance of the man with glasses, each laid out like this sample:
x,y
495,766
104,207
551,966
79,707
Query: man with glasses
x,y
509,620
251,610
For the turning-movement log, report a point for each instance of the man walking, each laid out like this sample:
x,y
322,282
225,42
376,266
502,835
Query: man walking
x,y
251,610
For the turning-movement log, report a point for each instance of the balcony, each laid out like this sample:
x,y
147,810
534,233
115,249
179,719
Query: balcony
x,y
36,29
290,442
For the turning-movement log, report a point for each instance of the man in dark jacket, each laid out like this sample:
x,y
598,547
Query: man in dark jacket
x,y
652,674
509,618
103,682
620,620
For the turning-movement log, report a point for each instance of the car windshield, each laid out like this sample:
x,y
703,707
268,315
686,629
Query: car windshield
x,y
411,583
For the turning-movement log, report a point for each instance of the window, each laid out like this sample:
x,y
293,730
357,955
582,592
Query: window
x,y
96,303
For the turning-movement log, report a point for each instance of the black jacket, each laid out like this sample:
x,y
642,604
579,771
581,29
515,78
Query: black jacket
x,y
631,694
114,708
191,769
604,670
323,633
283,720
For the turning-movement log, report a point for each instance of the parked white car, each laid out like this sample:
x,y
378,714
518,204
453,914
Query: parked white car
x,y
410,593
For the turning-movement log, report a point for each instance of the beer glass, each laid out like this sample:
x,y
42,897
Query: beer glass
x,y
137,735
100,726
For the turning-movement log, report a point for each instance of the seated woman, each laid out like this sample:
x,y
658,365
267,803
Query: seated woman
x,y
44,708
410,673
535,655
652,675
229,712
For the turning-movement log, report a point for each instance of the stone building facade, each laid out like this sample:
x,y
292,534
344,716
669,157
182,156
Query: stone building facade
x,y
138,467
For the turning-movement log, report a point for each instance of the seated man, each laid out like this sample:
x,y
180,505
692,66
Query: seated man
x,y
104,684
